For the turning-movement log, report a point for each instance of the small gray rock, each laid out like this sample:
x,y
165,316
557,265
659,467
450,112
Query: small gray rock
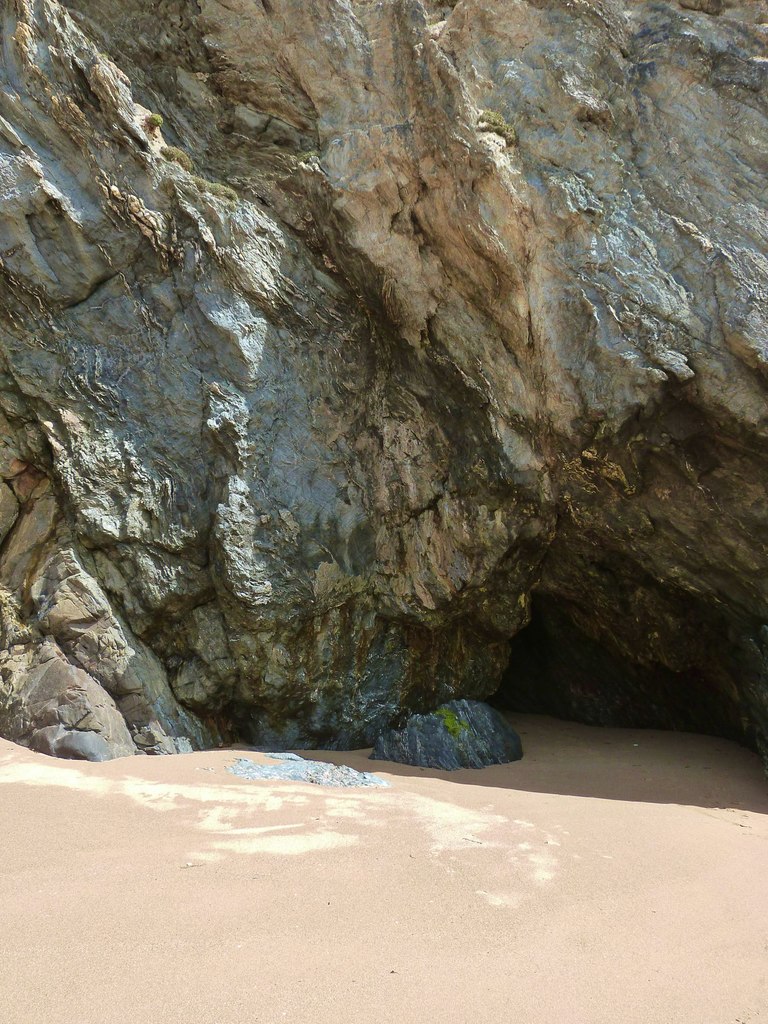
x,y
297,769
459,734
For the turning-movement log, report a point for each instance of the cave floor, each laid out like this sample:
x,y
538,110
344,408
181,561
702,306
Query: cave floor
x,y
611,876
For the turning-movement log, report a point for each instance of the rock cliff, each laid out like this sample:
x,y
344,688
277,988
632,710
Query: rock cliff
x,y
346,341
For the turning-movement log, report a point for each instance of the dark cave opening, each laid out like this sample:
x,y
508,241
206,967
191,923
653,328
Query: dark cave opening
x,y
556,668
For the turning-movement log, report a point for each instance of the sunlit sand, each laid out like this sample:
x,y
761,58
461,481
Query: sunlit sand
x,y
611,876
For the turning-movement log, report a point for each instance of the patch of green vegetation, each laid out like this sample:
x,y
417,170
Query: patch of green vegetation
x,y
453,724
178,156
216,189
491,121
307,155
154,121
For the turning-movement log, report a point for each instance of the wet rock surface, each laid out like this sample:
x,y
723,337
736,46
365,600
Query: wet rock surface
x,y
334,337
459,734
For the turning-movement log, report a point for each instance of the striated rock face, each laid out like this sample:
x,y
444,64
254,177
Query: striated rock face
x,y
409,318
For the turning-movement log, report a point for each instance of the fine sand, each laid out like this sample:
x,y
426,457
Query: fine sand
x,y
612,876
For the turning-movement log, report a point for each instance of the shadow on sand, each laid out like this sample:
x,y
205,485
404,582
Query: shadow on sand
x,y
642,765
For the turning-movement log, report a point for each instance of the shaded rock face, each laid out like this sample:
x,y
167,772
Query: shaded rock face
x,y
484,317
556,668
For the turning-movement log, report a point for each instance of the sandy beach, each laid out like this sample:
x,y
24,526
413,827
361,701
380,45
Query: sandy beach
x,y
611,877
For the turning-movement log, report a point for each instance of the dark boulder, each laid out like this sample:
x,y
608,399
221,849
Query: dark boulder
x,y
459,734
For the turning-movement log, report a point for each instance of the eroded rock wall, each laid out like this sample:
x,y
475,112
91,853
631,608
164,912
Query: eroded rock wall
x,y
404,312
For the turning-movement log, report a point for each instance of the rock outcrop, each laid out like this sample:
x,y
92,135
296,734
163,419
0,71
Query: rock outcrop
x,y
337,336
459,734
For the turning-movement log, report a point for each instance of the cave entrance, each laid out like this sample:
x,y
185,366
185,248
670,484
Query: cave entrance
x,y
556,668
